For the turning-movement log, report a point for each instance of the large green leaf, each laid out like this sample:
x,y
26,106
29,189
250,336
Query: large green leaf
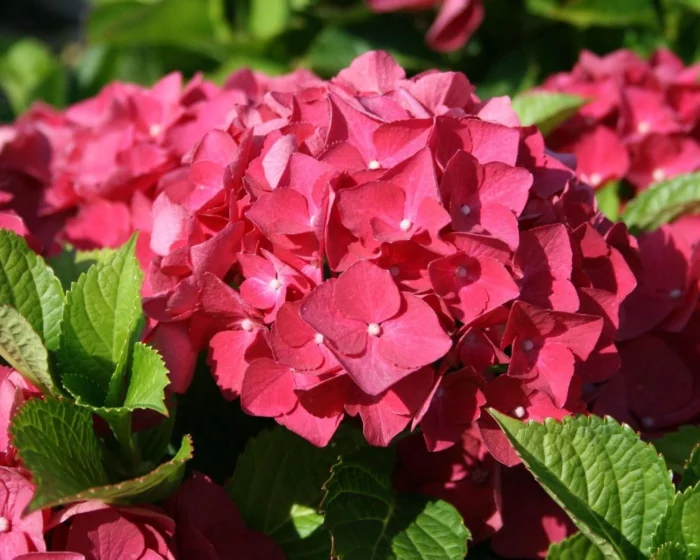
x,y
546,109
148,380
369,521
613,485
671,551
691,472
277,487
584,13
154,486
28,71
677,446
100,322
57,444
681,524
70,263
31,287
664,202
269,18
23,349
576,547
197,26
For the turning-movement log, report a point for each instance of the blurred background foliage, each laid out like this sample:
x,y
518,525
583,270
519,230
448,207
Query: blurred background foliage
x,y
61,51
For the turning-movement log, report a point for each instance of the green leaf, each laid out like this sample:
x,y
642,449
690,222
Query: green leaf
x,y
278,476
28,71
23,349
576,547
608,198
677,446
664,202
70,263
197,26
369,521
269,18
691,472
607,13
614,487
31,287
149,378
57,444
100,322
681,524
151,487
671,551
333,49
152,444
546,109
690,4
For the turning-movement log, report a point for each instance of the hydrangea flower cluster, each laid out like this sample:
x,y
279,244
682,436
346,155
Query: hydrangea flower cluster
x,y
640,122
373,246
456,20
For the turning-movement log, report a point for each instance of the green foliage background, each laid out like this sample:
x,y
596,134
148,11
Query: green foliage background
x,y
519,43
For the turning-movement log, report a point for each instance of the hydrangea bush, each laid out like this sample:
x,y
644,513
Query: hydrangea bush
x,y
395,272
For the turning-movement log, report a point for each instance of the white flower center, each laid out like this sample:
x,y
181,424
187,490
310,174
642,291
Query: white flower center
x,y
373,329
465,210
394,271
658,174
461,272
374,164
275,284
595,179
528,345
648,422
318,338
313,219
643,127
247,325
4,524
155,129
405,224
675,294
440,392
519,412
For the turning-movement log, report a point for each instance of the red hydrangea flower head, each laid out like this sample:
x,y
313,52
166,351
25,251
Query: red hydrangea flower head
x,y
640,119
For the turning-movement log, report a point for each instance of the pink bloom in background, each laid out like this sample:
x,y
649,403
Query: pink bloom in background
x,y
456,20
639,122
